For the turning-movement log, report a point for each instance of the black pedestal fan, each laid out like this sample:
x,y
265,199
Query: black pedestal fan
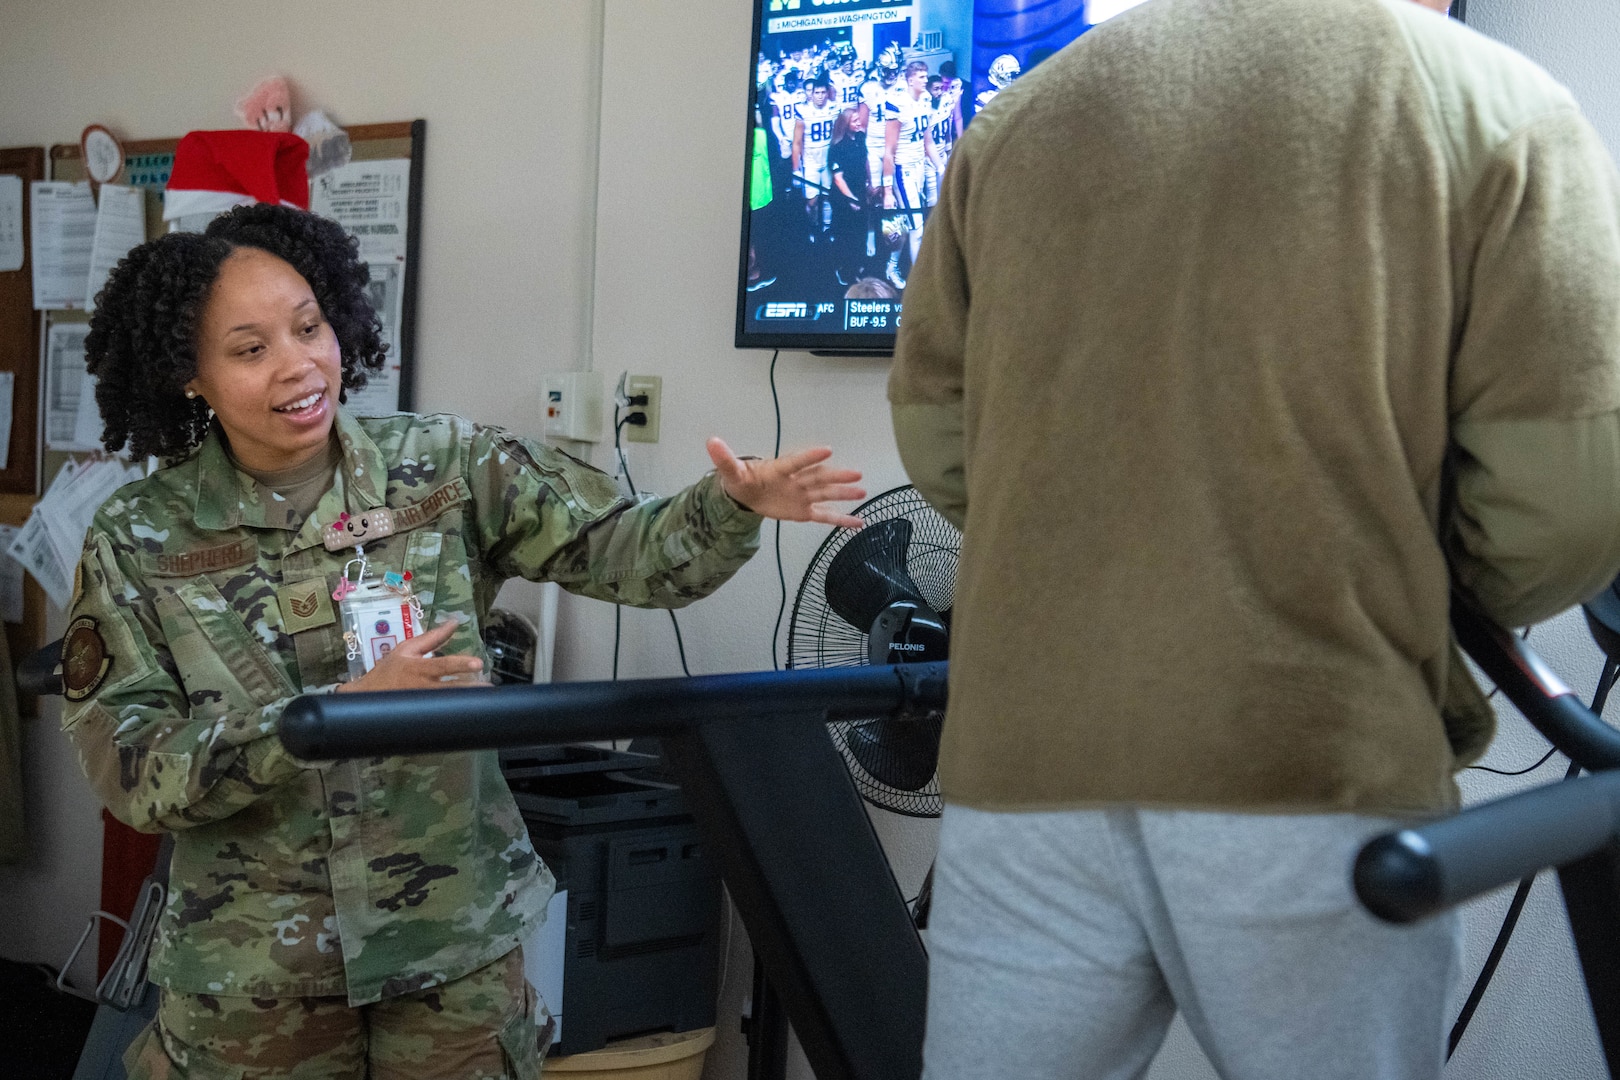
x,y
883,595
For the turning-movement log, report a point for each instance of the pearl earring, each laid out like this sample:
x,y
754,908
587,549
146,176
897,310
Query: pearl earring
x,y
191,393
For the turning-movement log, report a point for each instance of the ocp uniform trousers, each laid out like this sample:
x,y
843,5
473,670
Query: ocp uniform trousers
x,y
481,1026
1062,944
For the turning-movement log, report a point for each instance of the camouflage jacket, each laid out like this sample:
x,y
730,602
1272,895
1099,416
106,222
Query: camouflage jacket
x,y
200,611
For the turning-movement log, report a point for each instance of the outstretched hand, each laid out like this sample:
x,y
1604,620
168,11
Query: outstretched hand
x,y
794,487
410,667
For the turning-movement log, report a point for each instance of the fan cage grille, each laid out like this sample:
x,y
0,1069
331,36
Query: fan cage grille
x,y
819,638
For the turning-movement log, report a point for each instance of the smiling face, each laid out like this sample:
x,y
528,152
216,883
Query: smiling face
x,y
268,363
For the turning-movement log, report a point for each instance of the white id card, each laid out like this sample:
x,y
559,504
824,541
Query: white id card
x,y
376,620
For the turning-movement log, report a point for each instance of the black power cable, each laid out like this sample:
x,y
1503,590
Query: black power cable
x,y
1528,768
636,419
781,578
1600,697
618,452
1517,772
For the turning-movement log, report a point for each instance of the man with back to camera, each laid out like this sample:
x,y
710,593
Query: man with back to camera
x,y
1325,316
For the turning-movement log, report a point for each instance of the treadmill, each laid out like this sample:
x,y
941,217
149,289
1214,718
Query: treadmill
x,y
843,959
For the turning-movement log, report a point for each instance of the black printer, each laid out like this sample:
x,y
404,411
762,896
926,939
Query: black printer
x,y
640,947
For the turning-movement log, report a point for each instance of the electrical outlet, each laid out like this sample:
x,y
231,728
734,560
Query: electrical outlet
x,y
653,387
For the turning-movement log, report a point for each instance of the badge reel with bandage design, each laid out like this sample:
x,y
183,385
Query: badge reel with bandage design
x,y
377,615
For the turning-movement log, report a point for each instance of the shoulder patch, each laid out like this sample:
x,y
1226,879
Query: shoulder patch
x,y
85,660
202,561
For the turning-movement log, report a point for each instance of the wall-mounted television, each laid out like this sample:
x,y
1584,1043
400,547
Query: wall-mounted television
x,y
852,109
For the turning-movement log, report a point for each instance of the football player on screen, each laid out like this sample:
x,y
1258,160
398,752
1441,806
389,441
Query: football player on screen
x,y
945,123
846,78
875,91
908,148
812,134
784,110
1003,70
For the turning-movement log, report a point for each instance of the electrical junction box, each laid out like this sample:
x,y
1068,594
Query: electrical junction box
x,y
573,406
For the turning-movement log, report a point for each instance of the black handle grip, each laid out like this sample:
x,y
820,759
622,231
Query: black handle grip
x,y
1526,680
439,721
38,672
1408,875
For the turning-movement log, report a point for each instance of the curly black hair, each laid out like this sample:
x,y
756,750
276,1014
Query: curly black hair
x,y
142,345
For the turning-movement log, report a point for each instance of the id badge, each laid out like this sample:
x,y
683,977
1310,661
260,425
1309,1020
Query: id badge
x,y
376,620
377,616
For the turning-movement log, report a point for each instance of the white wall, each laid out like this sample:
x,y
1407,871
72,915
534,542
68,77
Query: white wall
x,y
618,251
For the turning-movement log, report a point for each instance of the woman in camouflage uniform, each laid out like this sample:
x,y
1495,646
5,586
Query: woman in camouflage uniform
x,y
351,918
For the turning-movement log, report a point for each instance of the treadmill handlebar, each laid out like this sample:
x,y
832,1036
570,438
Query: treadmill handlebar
x,y
329,726
1526,680
1414,873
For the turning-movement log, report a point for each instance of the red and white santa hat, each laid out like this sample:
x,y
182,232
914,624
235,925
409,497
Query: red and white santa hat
x,y
216,170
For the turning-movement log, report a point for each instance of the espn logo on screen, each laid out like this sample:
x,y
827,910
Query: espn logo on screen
x,y
784,309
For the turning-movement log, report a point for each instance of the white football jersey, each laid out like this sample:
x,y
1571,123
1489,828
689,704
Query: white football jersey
x,y
873,94
943,120
786,104
846,88
914,114
818,125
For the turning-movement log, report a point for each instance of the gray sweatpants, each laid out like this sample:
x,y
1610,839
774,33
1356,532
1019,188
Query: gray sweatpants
x,y
1062,944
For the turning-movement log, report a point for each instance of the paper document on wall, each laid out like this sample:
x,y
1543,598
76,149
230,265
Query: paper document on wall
x,y
8,391
69,509
62,221
51,540
11,223
33,549
87,422
11,578
64,384
370,199
120,225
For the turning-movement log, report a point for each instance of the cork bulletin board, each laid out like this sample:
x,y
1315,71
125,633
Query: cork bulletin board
x,y
20,335
385,171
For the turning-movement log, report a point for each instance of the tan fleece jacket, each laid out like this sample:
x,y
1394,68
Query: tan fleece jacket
x,y
1240,327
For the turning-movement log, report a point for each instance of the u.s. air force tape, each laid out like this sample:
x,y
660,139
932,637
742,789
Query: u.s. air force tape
x,y
85,660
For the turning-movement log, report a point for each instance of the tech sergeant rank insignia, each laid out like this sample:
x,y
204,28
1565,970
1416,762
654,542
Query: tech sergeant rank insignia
x,y
85,660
